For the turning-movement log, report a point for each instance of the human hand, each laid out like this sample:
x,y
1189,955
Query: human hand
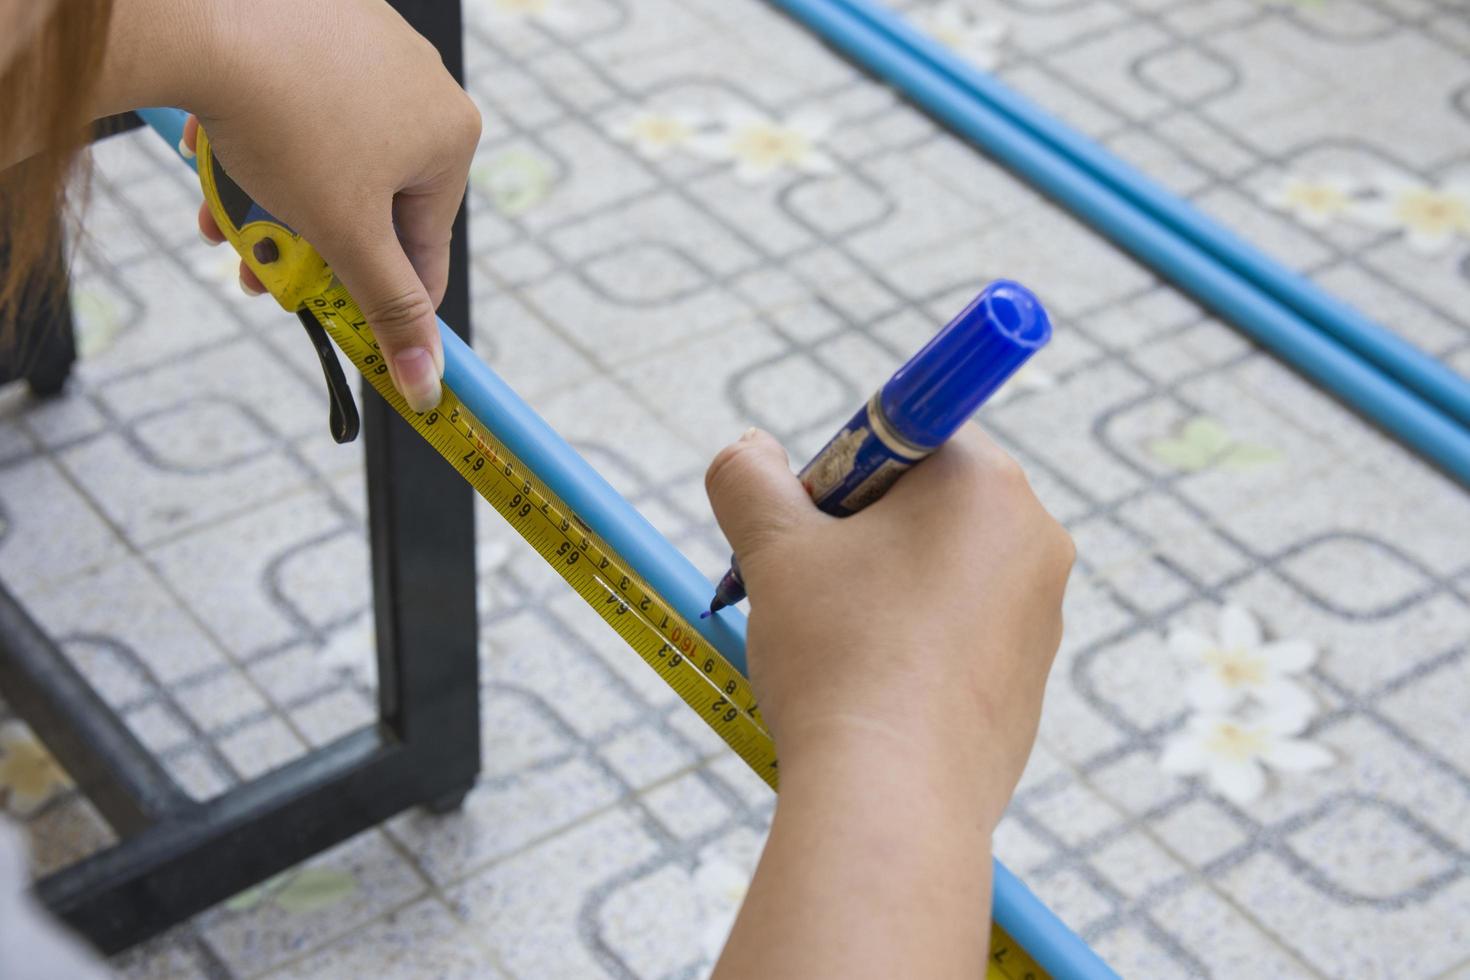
x,y
922,627
341,120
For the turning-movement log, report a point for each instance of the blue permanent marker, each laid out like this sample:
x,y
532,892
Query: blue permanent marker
x,y
920,407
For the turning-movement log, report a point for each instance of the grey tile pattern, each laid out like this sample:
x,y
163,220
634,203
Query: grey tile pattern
x,y
195,541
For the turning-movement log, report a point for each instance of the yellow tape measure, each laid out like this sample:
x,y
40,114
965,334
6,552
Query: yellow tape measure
x,y
298,278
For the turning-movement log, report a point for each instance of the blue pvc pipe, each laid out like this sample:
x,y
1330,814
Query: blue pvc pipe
x,y
571,478
1036,929
169,124
1442,387
1313,353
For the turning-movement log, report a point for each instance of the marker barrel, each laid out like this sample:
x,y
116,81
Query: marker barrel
x,y
921,406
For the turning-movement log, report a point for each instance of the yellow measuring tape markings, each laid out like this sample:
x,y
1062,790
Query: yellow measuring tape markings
x,y
700,675
673,649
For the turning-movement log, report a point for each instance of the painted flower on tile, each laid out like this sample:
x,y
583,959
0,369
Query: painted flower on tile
x,y
719,887
1203,443
655,134
761,147
956,26
551,13
1232,752
515,181
353,649
1239,663
298,891
29,776
98,322
1431,218
1313,201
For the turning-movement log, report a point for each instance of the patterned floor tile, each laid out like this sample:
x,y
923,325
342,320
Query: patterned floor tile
x,y
304,908
423,941
181,521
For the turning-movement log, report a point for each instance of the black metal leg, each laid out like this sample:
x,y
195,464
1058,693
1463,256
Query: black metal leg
x,y
421,518
44,347
181,856
56,344
102,756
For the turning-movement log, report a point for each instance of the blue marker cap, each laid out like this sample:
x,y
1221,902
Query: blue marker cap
x,y
942,385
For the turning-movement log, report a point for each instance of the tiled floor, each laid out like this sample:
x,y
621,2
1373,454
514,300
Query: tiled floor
x,y
653,299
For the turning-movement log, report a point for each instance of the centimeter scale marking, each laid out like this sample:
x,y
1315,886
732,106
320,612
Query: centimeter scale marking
x,y
699,674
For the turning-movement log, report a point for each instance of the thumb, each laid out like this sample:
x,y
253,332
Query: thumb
x,y
755,496
382,280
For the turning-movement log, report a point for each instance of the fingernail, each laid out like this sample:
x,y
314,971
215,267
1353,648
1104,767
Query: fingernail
x,y
184,150
749,434
248,289
205,238
417,378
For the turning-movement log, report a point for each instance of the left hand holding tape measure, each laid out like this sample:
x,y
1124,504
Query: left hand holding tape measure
x,y
368,161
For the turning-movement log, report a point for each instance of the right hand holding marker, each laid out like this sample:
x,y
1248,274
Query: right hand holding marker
x,y
925,624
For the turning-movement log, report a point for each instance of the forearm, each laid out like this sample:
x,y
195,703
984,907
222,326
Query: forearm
x,y
157,52
162,52
878,865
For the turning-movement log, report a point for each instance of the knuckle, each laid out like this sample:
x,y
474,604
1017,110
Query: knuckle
x,y
470,122
725,467
1065,548
1057,553
395,317
1008,471
984,459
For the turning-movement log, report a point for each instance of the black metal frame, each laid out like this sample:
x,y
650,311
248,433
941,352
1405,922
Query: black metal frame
x,y
177,856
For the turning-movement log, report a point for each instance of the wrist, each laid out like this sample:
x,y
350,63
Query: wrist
x,y
965,785
163,53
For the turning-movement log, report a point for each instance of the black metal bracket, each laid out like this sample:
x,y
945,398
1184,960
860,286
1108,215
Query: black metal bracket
x,y
342,418
177,856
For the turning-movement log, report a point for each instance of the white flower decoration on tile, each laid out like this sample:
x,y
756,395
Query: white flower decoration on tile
x,y
719,888
956,26
29,776
1239,664
298,891
1203,443
98,322
761,147
1430,218
353,648
1232,752
656,134
515,180
1313,201
551,13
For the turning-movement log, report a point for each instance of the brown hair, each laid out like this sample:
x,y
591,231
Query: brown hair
x,y
48,89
